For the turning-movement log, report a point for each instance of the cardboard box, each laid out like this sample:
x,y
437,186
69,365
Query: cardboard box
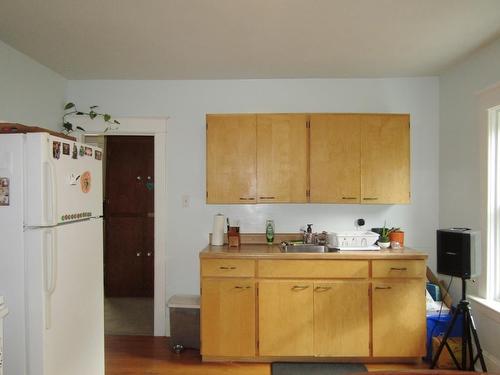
x,y
445,361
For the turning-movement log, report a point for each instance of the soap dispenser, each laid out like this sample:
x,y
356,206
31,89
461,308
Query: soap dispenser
x,y
308,236
270,232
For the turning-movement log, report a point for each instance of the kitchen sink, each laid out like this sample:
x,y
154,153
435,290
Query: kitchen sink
x,y
303,248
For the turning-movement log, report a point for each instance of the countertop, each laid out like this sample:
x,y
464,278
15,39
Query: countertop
x,y
264,251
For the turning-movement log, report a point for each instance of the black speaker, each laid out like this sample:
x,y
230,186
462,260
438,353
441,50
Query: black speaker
x,y
458,252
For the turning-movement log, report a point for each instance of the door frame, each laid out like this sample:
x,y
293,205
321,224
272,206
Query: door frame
x,y
156,127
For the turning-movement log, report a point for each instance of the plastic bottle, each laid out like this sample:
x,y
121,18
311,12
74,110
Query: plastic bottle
x,y
270,232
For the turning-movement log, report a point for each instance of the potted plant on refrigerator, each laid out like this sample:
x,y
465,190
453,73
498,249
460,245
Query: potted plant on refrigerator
x,y
71,112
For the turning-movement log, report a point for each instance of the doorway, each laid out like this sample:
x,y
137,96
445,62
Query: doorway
x,y
157,128
128,177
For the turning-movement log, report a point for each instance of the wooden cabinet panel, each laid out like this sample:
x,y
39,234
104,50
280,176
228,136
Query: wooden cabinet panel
x,y
282,158
228,317
231,158
285,318
341,319
398,269
335,158
399,325
385,159
227,267
313,268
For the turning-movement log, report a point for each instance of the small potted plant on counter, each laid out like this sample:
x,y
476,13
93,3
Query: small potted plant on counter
x,y
397,235
383,240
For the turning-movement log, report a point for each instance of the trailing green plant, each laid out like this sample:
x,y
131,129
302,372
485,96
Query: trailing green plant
x,y
70,109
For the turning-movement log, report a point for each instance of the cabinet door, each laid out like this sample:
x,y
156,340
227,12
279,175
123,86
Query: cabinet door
x,y
335,158
228,317
398,318
231,158
285,318
282,158
385,159
341,319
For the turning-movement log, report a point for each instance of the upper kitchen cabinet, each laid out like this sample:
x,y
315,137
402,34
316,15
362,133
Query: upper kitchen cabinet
x,y
231,159
335,158
385,159
282,158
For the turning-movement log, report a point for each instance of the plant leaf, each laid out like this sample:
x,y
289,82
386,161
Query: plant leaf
x,y
94,106
92,115
69,105
68,126
79,113
80,128
116,122
107,117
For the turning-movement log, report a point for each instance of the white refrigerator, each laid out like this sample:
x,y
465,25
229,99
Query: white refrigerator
x,y
55,186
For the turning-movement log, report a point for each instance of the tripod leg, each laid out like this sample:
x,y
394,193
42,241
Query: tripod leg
x,y
469,339
465,336
445,338
478,345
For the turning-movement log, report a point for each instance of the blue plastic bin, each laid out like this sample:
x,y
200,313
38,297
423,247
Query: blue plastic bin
x,y
438,327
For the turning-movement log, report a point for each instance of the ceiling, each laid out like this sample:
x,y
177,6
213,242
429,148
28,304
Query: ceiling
x,y
226,39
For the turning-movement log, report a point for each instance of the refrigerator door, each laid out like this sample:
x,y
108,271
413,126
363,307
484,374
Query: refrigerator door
x,y
64,288
63,180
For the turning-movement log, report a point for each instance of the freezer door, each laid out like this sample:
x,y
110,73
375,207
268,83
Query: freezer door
x,y
63,180
65,313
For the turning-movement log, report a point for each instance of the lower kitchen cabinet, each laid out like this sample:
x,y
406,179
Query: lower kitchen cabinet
x,y
342,319
228,317
285,318
356,308
399,325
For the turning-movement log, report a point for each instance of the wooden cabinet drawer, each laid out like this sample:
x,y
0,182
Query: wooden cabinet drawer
x,y
227,267
313,268
398,268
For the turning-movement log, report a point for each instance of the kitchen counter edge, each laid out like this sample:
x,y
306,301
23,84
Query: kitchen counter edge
x,y
264,251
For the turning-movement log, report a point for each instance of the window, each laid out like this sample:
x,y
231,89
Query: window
x,y
493,244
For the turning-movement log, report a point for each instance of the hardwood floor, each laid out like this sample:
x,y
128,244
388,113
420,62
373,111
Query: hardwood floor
x,y
146,355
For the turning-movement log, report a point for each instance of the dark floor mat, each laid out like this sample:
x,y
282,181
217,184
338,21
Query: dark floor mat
x,y
291,368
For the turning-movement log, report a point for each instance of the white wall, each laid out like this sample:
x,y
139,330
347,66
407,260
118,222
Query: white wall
x,y
462,164
30,93
187,102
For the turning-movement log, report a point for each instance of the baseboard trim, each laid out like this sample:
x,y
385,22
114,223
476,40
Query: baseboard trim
x,y
492,363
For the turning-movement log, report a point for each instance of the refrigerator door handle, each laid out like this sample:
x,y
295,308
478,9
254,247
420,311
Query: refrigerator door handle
x,y
49,271
50,200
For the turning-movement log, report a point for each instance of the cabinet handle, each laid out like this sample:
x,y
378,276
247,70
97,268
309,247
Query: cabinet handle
x,y
242,287
383,287
370,199
138,254
399,269
322,288
267,197
349,198
247,199
149,253
227,268
300,287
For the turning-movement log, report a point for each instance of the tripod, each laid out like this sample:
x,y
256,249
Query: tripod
x,y
468,328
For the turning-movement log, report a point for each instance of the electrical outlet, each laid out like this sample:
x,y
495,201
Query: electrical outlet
x,y
185,201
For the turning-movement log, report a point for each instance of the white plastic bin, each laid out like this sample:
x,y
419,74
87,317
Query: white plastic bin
x,y
184,322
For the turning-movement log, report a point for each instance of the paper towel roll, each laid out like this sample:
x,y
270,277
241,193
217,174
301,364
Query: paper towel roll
x,y
218,230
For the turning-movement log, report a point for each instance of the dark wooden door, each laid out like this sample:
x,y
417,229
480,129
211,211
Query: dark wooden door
x,y
129,216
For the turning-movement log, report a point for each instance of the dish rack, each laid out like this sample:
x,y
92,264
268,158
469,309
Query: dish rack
x,y
353,240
